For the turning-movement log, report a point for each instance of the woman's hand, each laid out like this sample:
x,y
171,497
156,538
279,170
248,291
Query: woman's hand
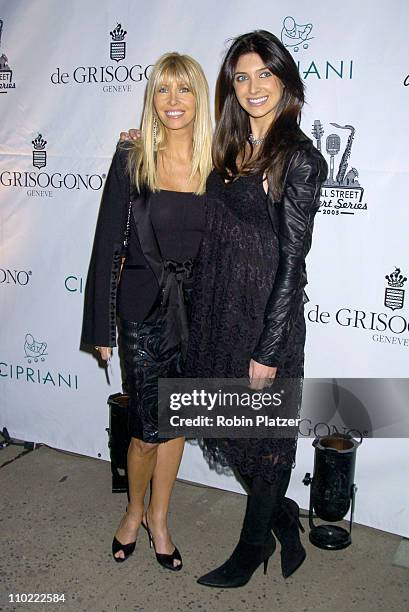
x,y
260,375
133,134
104,351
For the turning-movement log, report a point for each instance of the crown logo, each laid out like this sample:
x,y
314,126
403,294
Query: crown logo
x,y
118,33
39,153
394,294
39,143
396,279
118,45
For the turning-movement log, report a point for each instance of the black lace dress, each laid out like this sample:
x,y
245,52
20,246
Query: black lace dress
x,y
235,273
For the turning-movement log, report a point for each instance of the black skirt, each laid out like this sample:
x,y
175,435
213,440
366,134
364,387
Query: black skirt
x,y
143,363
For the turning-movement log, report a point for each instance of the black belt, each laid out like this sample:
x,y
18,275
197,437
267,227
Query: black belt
x,y
135,267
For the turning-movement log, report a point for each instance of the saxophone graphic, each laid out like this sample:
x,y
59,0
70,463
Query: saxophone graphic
x,y
345,156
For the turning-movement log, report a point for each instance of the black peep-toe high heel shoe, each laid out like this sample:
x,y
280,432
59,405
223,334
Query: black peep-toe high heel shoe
x,y
126,548
164,560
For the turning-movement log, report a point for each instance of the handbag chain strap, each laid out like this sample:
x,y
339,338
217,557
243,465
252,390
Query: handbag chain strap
x,y
128,227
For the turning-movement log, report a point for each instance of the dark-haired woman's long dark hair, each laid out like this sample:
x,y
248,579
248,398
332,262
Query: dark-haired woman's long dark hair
x,y
233,125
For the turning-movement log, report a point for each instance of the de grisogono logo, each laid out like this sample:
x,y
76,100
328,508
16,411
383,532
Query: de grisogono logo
x,y
117,78
39,152
341,193
394,294
296,37
383,327
41,184
118,44
15,277
34,369
6,73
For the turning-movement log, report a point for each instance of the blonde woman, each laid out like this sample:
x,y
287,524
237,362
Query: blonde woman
x,y
163,175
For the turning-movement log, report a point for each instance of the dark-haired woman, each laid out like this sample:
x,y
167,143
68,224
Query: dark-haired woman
x,y
248,303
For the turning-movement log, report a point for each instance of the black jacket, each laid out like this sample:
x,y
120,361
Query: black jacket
x,y
292,218
100,299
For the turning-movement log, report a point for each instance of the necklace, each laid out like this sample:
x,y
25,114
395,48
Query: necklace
x,y
256,141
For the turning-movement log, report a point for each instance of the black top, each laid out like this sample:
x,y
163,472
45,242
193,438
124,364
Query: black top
x,y
250,274
177,220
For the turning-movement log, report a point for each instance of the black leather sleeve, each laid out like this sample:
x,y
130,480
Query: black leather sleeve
x,y
295,213
99,320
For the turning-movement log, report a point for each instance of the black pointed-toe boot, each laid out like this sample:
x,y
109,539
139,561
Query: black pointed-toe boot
x,y
285,523
256,544
241,565
286,526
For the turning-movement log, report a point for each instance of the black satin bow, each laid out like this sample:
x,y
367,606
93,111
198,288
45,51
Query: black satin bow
x,y
173,313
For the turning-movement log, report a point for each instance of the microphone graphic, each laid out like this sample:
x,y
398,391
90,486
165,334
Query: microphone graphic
x,y
333,145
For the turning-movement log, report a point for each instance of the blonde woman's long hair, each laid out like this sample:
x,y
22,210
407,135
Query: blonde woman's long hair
x,y
142,158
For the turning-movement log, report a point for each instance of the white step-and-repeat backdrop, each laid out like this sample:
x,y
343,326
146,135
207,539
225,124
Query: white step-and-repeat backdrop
x,y
72,76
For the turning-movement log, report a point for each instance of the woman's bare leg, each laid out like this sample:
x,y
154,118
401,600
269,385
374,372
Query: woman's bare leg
x,y
169,455
142,458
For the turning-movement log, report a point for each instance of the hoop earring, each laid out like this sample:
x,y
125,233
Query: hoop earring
x,y
155,132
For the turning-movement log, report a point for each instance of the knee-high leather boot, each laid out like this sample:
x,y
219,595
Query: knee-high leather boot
x,y
256,543
286,525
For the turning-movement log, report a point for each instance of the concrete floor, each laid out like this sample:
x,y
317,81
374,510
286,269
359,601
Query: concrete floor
x,y
58,517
